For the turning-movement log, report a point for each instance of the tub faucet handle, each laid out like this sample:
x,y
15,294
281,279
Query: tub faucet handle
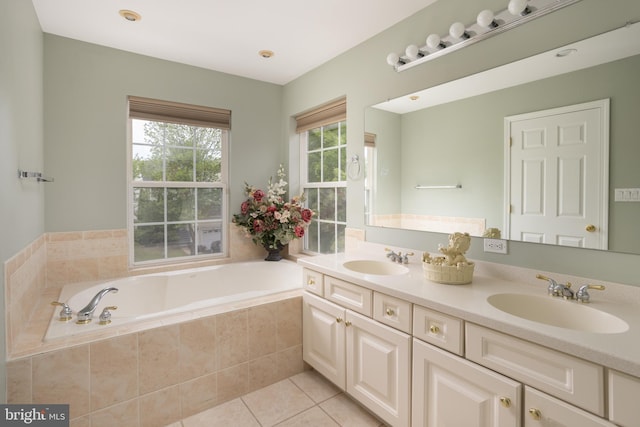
x,y
66,313
105,316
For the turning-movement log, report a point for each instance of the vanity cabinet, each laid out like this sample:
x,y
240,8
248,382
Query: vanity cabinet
x,y
451,391
542,410
624,399
369,360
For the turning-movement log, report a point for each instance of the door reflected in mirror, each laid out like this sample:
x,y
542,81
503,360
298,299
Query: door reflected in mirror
x,y
452,140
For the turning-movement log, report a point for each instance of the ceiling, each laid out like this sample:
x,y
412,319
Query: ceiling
x,y
226,35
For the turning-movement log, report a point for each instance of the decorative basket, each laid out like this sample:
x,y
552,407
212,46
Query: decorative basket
x,y
461,274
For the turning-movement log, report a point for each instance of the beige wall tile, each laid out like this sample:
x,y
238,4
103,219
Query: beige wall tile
x,y
160,408
262,330
263,372
63,377
233,382
199,394
231,336
123,414
158,358
289,323
80,422
19,381
114,371
198,348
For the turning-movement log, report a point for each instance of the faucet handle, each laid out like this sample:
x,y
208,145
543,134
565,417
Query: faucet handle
x,y
66,313
553,285
583,295
105,316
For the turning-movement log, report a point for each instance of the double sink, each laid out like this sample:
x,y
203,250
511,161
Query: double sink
x,y
545,310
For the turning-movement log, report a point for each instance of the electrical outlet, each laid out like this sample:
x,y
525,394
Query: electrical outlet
x,y
498,246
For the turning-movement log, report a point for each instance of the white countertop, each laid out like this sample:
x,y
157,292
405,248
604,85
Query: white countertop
x,y
620,351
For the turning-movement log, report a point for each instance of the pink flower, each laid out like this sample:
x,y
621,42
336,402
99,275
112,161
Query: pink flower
x,y
244,207
258,225
272,209
307,214
299,230
258,195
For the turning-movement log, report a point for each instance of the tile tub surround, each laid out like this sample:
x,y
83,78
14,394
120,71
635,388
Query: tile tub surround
x,y
162,375
55,259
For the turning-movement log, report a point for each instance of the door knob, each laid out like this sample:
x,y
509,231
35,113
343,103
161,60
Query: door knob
x,y
590,228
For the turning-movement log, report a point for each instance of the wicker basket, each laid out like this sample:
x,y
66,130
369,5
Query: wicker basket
x,y
449,274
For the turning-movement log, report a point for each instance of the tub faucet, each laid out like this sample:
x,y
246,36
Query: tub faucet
x,y
85,315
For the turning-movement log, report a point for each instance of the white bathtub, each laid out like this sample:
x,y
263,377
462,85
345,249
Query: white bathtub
x,y
167,295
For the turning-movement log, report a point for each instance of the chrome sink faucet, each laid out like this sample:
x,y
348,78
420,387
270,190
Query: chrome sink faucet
x,y
398,257
583,294
559,290
85,315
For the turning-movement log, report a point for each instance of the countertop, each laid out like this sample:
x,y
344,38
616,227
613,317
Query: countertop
x,y
619,351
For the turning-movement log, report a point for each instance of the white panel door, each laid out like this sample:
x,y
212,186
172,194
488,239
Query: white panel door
x,y
449,391
557,183
379,368
323,345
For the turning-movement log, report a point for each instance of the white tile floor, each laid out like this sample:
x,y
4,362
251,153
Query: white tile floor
x,y
306,399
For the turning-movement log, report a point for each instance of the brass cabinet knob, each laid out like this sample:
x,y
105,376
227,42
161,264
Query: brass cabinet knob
x,y
535,413
390,312
505,401
434,329
338,319
347,323
311,281
590,228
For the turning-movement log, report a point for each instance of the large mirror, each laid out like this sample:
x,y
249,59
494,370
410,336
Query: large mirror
x,y
438,160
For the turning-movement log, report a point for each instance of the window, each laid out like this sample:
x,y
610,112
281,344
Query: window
x,y
177,181
323,137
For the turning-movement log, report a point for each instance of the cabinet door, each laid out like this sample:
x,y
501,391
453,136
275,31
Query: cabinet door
x,y
379,368
542,410
323,337
451,391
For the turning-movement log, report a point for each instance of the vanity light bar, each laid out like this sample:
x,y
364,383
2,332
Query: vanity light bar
x,y
498,23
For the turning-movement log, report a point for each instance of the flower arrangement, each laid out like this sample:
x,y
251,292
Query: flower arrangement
x,y
269,219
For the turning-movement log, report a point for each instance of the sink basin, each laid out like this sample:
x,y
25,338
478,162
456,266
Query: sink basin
x,y
558,312
382,268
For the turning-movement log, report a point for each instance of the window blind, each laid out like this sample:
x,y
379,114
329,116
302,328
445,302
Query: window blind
x,y
176,112
332,112
369,139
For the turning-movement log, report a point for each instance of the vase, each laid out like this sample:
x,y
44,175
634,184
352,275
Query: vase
x,y
273,253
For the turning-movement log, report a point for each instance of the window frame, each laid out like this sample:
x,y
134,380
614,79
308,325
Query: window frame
x,y
221,184
305,184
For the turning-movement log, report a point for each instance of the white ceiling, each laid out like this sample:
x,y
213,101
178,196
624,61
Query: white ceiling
x,y
226,35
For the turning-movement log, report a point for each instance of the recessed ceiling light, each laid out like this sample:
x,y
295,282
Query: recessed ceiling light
x,y
414,97
266,53
130,15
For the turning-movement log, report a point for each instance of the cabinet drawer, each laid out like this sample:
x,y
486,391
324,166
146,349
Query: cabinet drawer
x,y
438,329
348,295
312,281
392,311
566,377
623,399
542,410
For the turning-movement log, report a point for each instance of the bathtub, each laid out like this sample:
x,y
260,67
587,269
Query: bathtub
x,y
174,295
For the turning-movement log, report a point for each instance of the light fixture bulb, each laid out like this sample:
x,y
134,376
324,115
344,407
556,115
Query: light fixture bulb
x,y
413,52
433,41
485,19
393,59
130,15
518,7
458,31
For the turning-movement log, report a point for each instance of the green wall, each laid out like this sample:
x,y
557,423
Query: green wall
x,y
364,77
21,201
85,110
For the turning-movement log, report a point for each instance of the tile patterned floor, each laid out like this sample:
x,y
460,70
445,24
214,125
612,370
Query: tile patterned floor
x,y
306,399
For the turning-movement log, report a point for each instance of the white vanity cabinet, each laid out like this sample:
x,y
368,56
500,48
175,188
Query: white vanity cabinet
x,y
542,410
371,361
624,399
451,391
